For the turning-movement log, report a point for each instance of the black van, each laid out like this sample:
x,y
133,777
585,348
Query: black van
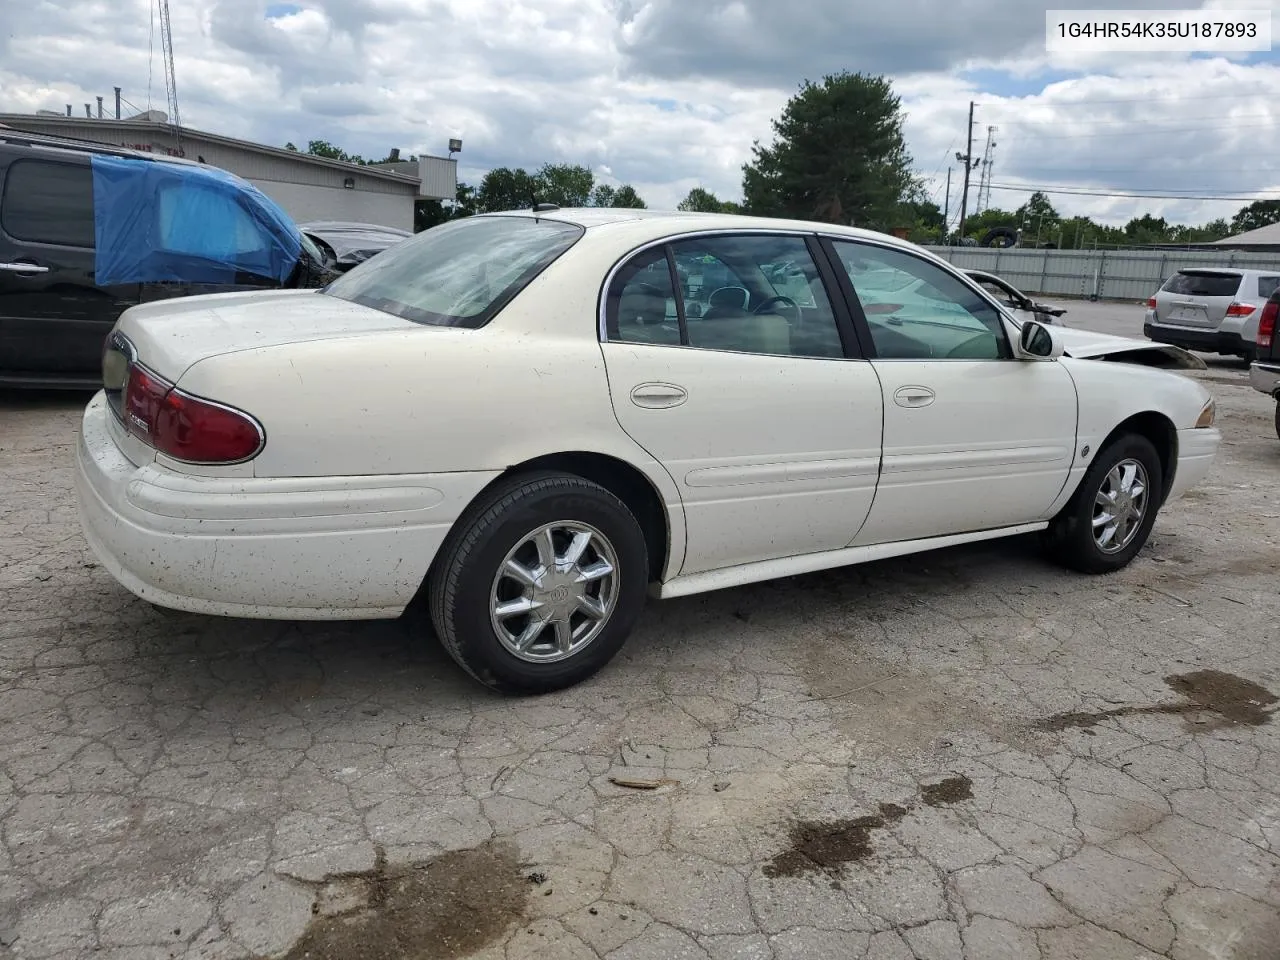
x,y
77,248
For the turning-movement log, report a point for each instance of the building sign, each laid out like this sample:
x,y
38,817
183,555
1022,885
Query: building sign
x,y
148,148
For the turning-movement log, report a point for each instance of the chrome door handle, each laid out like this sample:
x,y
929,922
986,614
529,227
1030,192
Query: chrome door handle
x,y
913,396
657,396
26,269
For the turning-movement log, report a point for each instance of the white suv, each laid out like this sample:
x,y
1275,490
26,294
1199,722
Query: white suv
x,y
1211,310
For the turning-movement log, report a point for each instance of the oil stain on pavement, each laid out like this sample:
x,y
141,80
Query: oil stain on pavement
x,y
825,846
1232,698
443,908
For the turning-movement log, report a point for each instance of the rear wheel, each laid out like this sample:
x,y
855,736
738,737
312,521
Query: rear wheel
x,y
1278,418
539,585
1109,518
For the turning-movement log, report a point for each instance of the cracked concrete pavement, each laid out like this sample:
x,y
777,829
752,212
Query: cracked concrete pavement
x,y
856,764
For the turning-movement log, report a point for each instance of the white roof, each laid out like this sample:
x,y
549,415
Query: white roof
x,y
1268,235
663,222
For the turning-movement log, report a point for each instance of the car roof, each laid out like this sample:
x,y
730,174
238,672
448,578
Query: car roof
x,y
673,222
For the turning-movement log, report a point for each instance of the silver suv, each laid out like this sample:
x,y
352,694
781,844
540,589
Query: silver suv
x,y
1211,310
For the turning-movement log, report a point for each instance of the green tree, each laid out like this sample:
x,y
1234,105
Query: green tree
x,y
291,146
564,184
603,195
1147,229
1036,208
701,200
1260,213
627,197
838,155
432,213
504,188
323,148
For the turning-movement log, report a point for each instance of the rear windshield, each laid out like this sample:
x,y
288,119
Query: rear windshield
x,y
1202,283
459,274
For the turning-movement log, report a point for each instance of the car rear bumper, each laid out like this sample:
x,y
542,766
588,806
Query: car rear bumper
x,y
1196,452
1265,377
1226,342
273,548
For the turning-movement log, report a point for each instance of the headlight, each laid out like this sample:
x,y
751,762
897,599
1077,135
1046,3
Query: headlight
x,y
1206,415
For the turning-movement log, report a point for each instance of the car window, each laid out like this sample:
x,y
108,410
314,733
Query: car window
x,y
1267,286
757,293
199,222
1203,283
929,314
641,307
746,294
48,202
460,273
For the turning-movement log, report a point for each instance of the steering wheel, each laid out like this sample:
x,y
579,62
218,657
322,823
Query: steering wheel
x,y
783,301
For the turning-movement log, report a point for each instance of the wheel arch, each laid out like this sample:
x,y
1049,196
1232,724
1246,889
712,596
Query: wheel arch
x,y
663,533
1159,429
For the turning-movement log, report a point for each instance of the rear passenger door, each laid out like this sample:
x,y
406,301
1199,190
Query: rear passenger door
x,y
728,362
54,318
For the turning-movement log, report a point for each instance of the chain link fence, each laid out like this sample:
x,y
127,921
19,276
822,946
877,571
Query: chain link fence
x,y
1099,274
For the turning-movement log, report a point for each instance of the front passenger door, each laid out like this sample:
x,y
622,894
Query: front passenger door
x,y
973,439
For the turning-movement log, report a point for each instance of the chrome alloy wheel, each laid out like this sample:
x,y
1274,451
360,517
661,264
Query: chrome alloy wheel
x,y
554,592
1119,506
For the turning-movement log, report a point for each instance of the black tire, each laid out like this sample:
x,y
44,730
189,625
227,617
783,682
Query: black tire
x,y
461,580
1069,539
1278,419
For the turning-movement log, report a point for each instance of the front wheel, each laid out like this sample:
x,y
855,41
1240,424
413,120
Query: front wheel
x,y
1109,518
538,586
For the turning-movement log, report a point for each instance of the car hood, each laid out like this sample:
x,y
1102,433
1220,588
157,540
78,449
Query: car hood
x,y
1087,345
355,245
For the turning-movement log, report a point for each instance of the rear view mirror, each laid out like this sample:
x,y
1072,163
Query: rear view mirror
x,y
1038,342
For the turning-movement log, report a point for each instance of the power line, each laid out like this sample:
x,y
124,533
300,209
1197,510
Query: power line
x,y
1147,99
1076,192
1142,128
1217,117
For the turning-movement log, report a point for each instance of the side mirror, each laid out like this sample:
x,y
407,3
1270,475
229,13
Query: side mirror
x,y
1038,342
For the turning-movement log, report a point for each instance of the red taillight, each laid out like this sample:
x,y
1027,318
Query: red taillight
x,y
143,395
1267,323
185,427
1240,309
1151,303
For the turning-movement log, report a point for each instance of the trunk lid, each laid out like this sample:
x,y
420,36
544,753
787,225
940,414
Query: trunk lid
x,y
1197,298
171,335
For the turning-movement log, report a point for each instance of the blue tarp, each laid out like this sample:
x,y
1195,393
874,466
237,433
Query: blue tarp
x,y
158,221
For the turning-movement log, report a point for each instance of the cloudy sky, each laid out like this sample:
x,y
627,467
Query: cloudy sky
x,y
670,94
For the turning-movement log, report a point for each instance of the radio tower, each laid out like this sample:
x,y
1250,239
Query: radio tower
x,y
170,84
984,177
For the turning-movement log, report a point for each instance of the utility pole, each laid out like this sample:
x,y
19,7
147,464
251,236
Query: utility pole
x,y
967,160
946,209
984,178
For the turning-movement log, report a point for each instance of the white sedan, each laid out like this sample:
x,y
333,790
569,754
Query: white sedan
x,y
524,419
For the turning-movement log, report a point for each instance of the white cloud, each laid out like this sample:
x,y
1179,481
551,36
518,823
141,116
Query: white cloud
x,y
667,94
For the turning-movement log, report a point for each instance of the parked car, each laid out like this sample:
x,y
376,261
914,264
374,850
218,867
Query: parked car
x,y
1264,372
1211,310
514,418
345,244
1014,300
88,230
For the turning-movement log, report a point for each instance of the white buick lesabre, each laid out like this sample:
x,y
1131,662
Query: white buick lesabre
x,y
532,419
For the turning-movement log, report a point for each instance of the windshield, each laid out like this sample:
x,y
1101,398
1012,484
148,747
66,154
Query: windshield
x,y
1195,283
459,274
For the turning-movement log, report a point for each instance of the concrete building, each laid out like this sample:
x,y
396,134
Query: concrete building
x,y
307,187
